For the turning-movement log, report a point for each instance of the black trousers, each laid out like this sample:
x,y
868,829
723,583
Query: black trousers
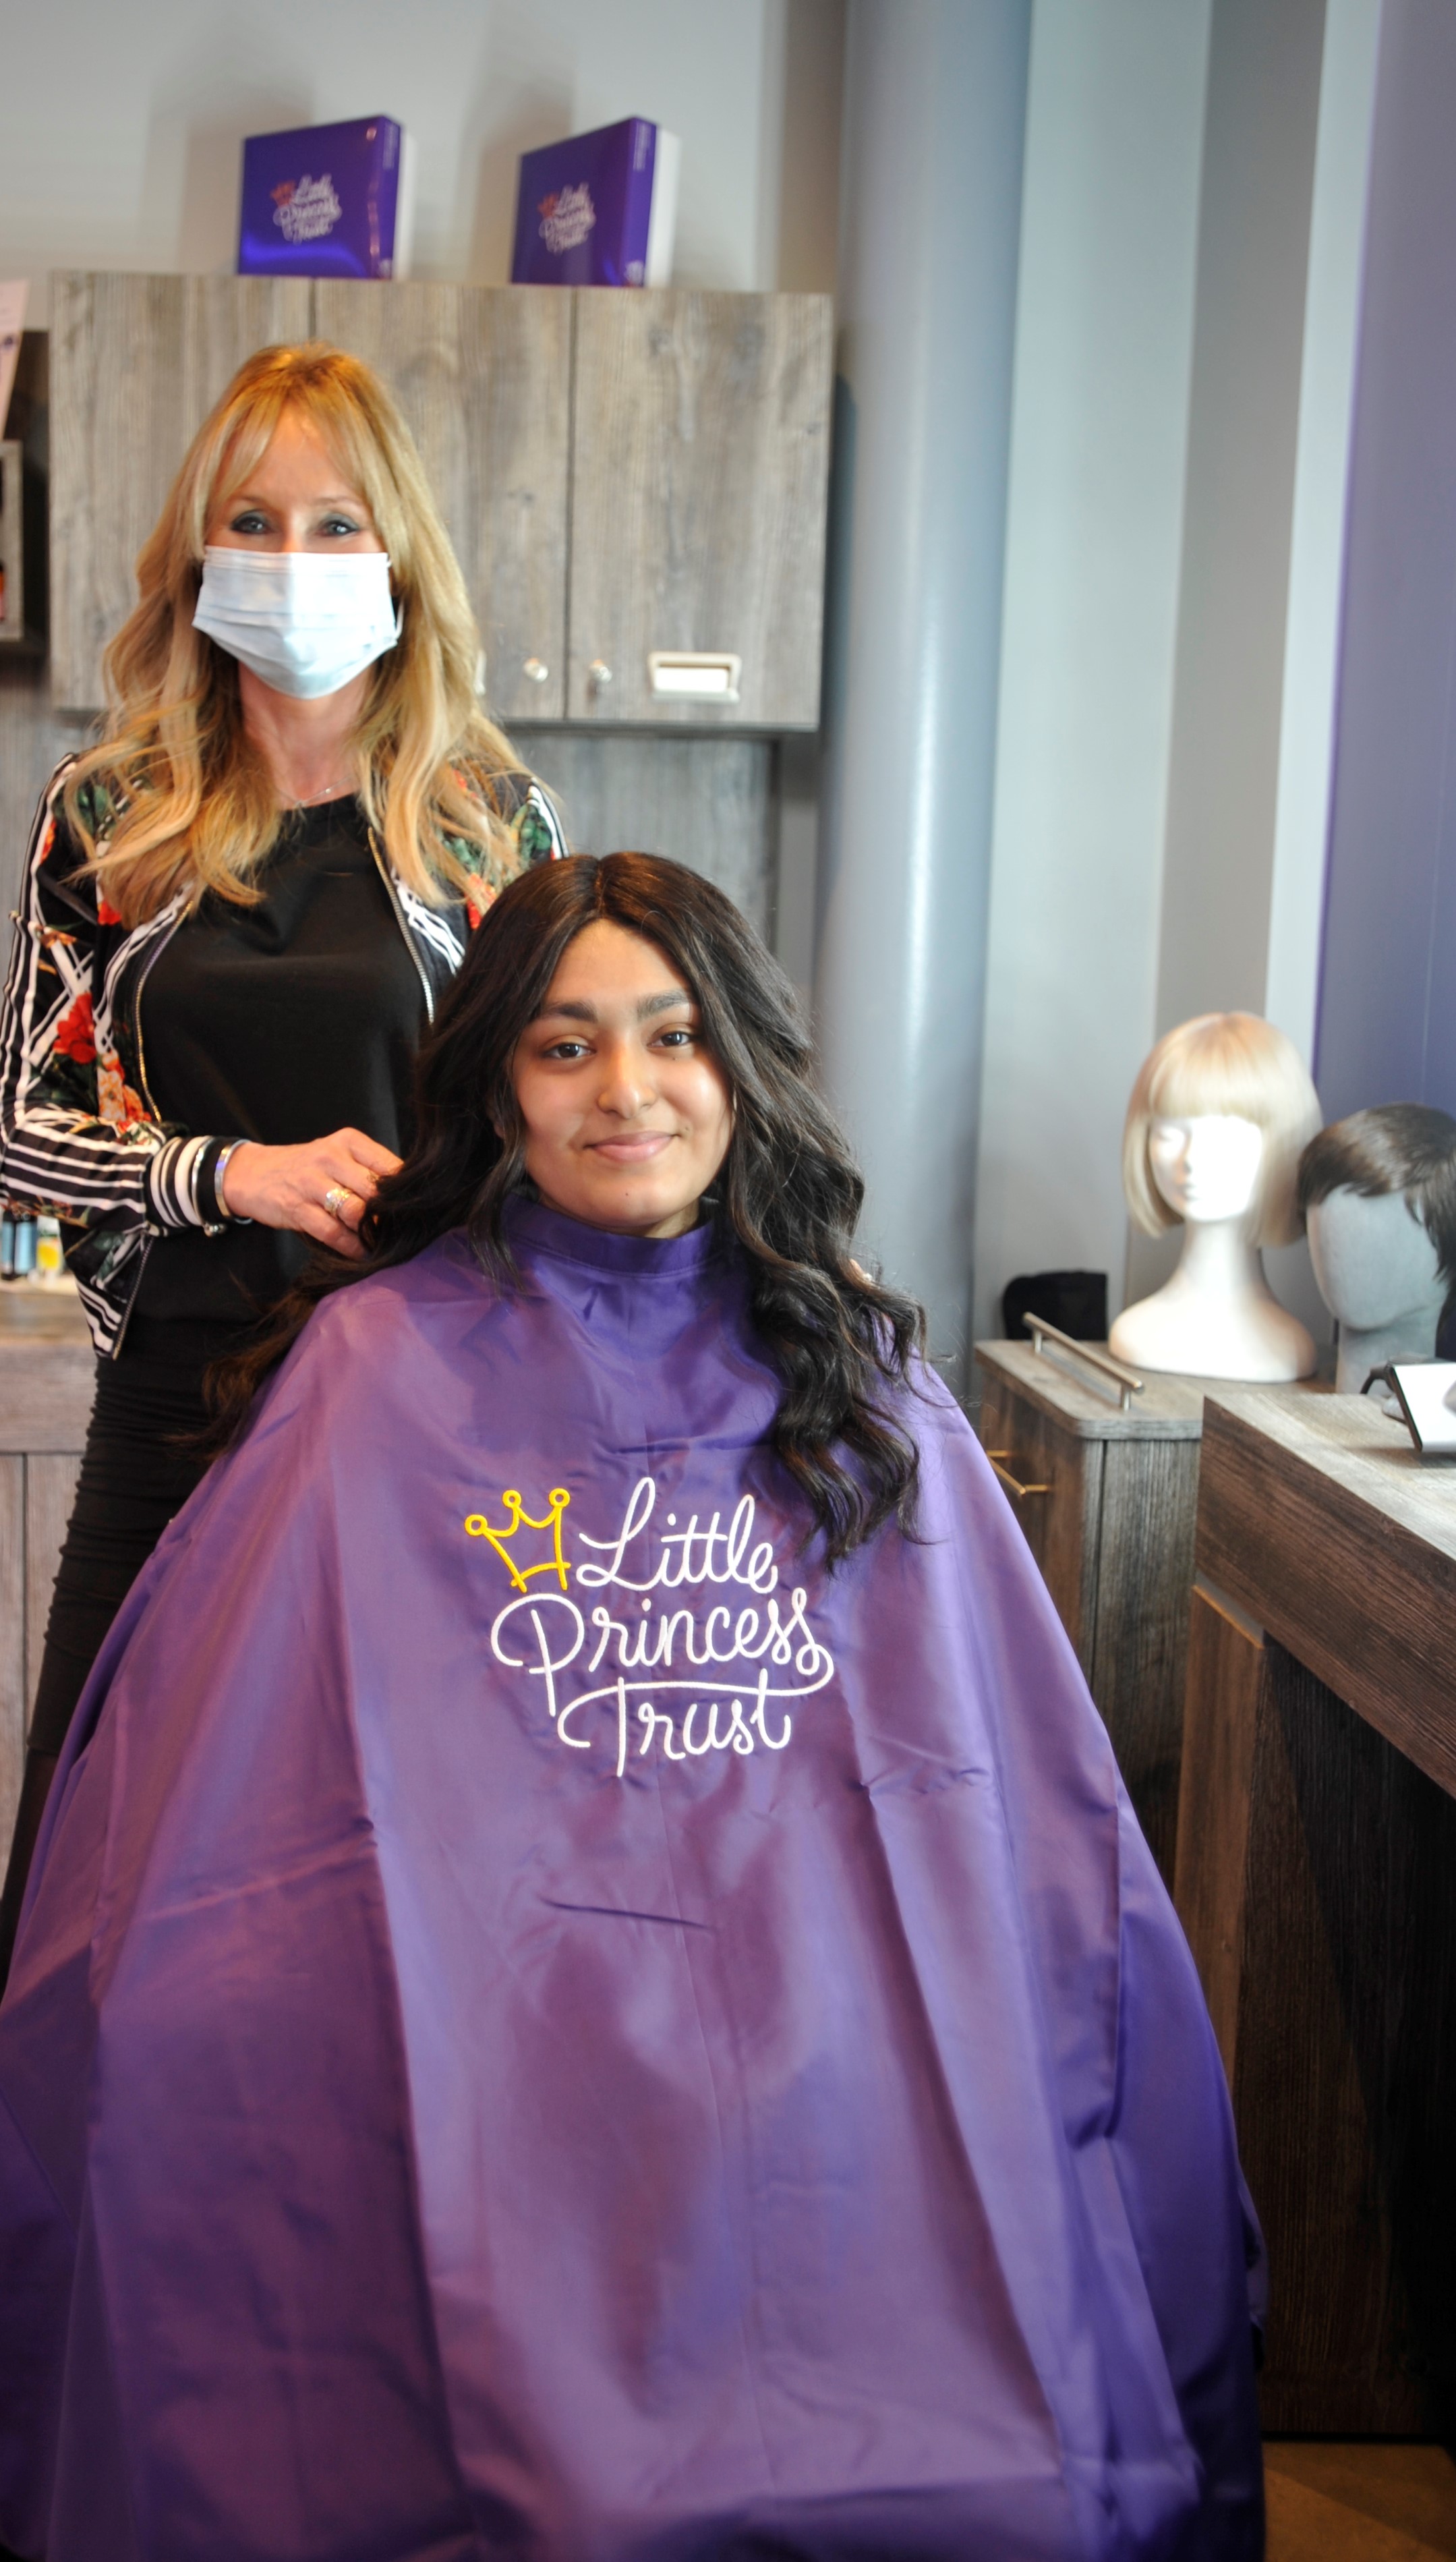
x,y
138,1468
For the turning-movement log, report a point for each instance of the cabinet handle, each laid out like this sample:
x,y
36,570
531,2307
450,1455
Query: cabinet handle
x,y
697,675
1126,1382
537,671
599,673
1013,1485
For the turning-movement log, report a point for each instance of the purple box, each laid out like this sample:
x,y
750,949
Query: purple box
x,y
325,200
599,209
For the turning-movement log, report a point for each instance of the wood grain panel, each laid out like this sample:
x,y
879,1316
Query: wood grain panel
x,y
226,318
483,378
1345,2079
32,740
1149,1502
1061,1526
116,378
45,1391
709,803
1170,1406
699,484
137,362
1366,1596
1223,1702
50,1492
14,1694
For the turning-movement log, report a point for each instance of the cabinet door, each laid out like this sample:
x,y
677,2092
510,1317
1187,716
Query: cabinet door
x,y
700,448
1055,1483
136,363
484,377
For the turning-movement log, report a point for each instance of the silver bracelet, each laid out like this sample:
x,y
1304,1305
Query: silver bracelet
x,y
230,1217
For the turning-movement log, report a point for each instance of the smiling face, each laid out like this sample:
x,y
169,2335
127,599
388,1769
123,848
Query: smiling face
x,y
296,498
628,1115
1207,1167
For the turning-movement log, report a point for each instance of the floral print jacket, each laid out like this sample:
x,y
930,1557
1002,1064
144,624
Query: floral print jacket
x,y
79,1136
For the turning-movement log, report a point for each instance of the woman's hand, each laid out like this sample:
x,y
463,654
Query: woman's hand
x,y
321,1190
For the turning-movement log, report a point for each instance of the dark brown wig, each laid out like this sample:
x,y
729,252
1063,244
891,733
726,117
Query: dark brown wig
x,y
788,1189
1407,1147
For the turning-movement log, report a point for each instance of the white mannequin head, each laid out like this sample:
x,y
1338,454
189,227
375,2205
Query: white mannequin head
x,y
1379,1195
1218,1117
1206,1165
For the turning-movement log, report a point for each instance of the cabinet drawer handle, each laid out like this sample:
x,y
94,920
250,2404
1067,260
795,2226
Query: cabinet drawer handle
x,y
1013,1485
599,673
695,676
537,671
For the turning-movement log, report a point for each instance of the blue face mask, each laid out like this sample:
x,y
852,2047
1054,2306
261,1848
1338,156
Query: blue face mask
x,y
305,622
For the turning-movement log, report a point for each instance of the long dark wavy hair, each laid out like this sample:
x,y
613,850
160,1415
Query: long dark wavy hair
x,y
788,1189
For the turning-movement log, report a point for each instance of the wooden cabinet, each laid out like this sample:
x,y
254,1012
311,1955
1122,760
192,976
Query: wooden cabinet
x,y
699,486
484,383
1317,1884
1107,1500
136,363
47,1379
622,474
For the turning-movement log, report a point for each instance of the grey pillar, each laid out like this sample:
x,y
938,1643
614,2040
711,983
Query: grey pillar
x,y
935,115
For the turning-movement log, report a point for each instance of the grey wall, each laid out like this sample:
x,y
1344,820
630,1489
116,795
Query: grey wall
x,y
1099,439
120,126
935,114
1191,277
1253,253
1259,142
1388,992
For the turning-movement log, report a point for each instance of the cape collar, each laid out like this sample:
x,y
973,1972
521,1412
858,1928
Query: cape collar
x,y
540,1231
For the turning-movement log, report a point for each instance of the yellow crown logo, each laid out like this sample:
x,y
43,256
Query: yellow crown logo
x,y
477,1527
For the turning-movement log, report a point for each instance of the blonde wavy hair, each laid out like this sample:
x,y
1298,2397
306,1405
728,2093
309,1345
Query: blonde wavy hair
x,y
176,794
1226,1063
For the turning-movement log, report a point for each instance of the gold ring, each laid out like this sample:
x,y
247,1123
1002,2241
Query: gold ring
x,y
335,1200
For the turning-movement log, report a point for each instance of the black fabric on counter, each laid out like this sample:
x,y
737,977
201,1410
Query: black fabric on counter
x,y
279,1022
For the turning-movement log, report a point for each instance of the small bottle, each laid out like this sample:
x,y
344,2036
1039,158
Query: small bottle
x,y
50,1261
7,1245
25,1246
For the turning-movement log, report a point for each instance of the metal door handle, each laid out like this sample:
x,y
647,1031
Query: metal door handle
x,y
695,676
1126,1382
1013,1485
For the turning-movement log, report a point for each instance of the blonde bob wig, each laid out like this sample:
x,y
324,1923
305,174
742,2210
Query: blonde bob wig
x,y
176,795
1235,1064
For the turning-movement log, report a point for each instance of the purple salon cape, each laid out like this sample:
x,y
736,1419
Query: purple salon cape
x,y
547,2024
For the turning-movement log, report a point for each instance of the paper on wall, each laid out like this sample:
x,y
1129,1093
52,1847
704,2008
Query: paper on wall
x,y
12,321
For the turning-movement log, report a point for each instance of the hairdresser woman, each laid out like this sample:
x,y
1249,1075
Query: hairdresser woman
x,y
240,911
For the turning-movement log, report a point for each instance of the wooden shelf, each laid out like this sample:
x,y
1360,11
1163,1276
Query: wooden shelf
x,y
17,626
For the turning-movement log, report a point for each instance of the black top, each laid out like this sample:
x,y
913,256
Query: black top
x,y
279,1022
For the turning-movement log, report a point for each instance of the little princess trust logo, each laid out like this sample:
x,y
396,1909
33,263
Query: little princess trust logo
x,y
567,218
306,209
691,1664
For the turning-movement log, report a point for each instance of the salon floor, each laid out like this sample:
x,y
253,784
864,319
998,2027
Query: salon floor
x,y
1369,2501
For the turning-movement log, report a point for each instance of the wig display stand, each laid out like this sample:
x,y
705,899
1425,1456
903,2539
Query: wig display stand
x,y
1101,1463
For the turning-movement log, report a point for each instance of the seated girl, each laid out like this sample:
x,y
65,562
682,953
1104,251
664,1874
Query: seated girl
x,y
590,1988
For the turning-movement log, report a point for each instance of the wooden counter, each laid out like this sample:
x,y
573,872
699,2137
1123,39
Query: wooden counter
x,y
46,1376
1316,1879
1106,1497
